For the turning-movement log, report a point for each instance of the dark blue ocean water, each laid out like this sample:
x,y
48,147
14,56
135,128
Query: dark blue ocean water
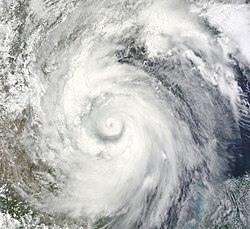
x,y
241,149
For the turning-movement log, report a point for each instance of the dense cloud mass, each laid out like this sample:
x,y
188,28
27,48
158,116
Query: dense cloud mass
x,y
124,114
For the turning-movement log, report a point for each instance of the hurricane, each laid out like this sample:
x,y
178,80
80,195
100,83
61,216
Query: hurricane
x,y
124,114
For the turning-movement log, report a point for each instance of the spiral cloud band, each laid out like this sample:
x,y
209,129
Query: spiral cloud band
x,y
120,143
